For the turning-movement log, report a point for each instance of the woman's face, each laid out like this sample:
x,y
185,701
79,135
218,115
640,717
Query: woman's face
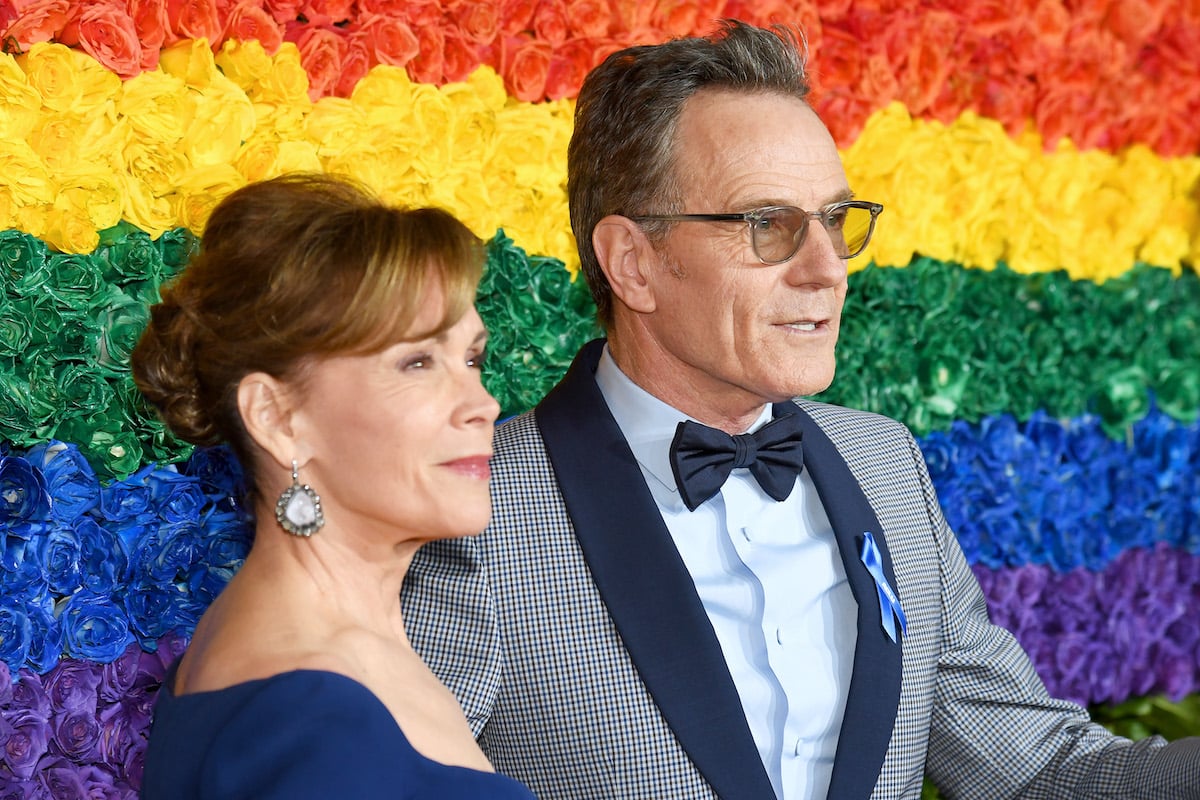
x,y
400,440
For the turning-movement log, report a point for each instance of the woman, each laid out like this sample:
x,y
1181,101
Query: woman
x,y
333,343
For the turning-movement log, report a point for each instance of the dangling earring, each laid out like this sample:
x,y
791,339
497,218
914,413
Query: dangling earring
x,y
299,507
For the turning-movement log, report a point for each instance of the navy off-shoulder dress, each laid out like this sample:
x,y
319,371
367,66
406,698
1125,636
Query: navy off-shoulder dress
x,y
303,735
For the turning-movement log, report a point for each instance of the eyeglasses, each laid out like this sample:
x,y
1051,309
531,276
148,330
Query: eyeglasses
x,y
777,232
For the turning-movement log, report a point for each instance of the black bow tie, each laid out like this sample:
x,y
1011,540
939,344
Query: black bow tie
x,y
702,458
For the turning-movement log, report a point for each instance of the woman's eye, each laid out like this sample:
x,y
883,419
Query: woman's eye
x,y
475,361
419,361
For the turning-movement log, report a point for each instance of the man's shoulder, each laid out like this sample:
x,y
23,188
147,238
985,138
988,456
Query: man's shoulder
x,y
851,426
519,433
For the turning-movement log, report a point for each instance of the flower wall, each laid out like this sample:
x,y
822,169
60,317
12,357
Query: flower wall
x,y
1030,306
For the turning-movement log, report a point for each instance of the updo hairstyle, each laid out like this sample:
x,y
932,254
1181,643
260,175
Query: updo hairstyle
x,y
289,271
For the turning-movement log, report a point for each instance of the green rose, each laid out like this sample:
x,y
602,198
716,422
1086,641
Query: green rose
x,y
74,279
122,319
22,262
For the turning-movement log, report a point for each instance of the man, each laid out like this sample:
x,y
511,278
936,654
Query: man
x,y
644,619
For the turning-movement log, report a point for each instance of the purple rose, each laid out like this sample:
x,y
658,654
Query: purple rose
x,y
118,676
72,686
26,743
77,734
14,788
169,648
29,694
124,726
6,689
69,479
66,781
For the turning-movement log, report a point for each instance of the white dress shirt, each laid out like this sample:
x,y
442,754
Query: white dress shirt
x,y
773,585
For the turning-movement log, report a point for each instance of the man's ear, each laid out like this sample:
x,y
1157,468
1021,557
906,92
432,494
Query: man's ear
x,y
626,257
267,409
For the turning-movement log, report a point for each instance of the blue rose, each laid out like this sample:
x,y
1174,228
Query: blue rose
x,y
23,494
102,557
16,634
70,479
1048,435
45,649
94,627
177,498
218,470
58,553
170,555
128,499
227,542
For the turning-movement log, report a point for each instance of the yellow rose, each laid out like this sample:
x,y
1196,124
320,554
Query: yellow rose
x,y
245,63
160,168
285,83
56,139
191,61
145,208
221,119
335,126
265,158
92,193
69,231
200,190
20,103
53,72
155,105
26,178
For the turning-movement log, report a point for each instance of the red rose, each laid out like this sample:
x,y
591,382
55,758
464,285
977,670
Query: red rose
x,y
8,13
248,20
389,40
526,62
322,50
195,19
107,34
39,21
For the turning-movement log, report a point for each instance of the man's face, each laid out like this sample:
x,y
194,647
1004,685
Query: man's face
x,y
728,332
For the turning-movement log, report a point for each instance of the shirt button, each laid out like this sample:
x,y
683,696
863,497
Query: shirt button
x,y
746,533
779,635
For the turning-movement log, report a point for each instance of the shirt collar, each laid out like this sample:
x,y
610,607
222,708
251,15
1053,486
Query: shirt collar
x,y
647,423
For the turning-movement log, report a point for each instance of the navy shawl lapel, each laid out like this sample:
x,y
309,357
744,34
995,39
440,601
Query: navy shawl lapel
x,y
644,583
875,685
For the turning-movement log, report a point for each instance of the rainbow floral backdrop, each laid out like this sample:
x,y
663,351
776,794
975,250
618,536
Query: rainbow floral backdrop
x,y
1030,307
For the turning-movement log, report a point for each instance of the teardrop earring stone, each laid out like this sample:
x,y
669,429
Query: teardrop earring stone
x,y
301,511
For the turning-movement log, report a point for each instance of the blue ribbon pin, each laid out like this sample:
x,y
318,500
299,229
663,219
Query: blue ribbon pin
x,y
889,604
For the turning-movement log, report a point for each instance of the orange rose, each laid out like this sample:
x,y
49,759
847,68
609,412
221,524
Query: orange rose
x,y
459,57
107,34
687,17
282,11
427,65
327,12
590,19
479,20
356,62
570,63
550,22
389,40
195,19
516,16
40,21
153,29
322,50
7,14
1135,22
248,20
526,63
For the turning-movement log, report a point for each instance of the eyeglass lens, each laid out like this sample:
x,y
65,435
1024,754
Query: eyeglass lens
x,y
778,234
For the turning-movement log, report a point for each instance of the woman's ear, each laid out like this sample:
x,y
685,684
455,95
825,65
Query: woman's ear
x,y
625,256
267,409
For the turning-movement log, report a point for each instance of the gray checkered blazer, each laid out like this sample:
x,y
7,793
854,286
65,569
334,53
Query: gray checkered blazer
x,y
574,639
